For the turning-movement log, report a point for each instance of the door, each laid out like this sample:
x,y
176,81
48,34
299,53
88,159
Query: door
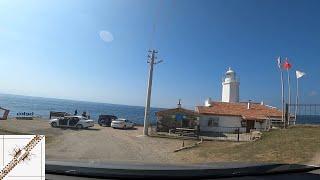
x,y
63,121
250,125
73,121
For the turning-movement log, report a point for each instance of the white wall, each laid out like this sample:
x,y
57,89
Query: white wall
x,y
225,92
230,92
226,124
234,92
260,126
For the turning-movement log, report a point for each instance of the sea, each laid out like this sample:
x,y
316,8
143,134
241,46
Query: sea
x,y
308,119
41,107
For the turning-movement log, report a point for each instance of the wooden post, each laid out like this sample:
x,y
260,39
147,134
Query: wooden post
x,y
198,131
238,131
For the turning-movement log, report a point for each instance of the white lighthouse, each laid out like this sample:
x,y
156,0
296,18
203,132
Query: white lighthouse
x,y
230,87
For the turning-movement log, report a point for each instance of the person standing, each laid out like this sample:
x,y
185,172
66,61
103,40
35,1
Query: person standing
x,y
76,112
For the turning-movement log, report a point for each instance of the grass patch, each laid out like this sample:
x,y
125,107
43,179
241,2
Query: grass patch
x,y
297,144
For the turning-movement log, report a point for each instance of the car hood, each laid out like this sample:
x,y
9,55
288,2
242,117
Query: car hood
x,y
52,120
117,121
137,170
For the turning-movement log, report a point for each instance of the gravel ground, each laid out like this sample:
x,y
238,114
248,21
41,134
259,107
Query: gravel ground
x,y
104,144
100,144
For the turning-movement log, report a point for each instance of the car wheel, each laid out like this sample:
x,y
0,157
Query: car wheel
x,y
102,123
79,126
54,124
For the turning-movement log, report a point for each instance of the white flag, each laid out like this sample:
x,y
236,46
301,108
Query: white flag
x,y
299,74
279,62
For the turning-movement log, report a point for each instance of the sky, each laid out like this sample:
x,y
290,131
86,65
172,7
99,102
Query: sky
x,y
97,50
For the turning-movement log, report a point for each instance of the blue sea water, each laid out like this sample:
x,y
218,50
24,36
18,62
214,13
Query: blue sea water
x,y
42,106
308,119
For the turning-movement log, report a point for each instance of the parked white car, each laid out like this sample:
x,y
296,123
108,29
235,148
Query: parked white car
x,y
78,122
122,123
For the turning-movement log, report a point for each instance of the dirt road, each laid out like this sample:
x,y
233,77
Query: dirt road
x,y
100,144
104,144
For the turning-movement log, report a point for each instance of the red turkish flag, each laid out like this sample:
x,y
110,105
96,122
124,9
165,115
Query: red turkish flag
x,y
286,65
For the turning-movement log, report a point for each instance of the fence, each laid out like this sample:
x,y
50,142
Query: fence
x,y
227,134
220,134
303,113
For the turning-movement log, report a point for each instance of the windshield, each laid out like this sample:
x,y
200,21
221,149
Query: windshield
x,y
194,81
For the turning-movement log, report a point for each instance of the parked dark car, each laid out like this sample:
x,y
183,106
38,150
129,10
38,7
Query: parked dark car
x,y
105,120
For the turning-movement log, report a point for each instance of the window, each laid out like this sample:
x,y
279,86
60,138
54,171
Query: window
x,y
179,117
73,121
213,122
63,121
243,123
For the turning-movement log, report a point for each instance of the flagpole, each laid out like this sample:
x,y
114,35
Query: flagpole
x,y
297,99
289,95
282,90
282,94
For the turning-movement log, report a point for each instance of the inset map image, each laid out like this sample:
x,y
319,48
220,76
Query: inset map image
x,y
22,157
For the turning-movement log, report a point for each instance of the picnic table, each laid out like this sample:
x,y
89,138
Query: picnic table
x,y
184,131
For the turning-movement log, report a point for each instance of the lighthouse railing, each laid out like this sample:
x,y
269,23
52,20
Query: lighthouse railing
x,y
237,79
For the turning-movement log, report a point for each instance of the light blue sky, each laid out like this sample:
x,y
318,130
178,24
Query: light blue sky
x,y
53,48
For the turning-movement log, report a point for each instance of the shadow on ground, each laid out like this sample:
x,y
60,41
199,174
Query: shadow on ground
x,y
76,129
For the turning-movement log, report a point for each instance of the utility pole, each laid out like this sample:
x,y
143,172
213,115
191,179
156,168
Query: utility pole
x,y
152,61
